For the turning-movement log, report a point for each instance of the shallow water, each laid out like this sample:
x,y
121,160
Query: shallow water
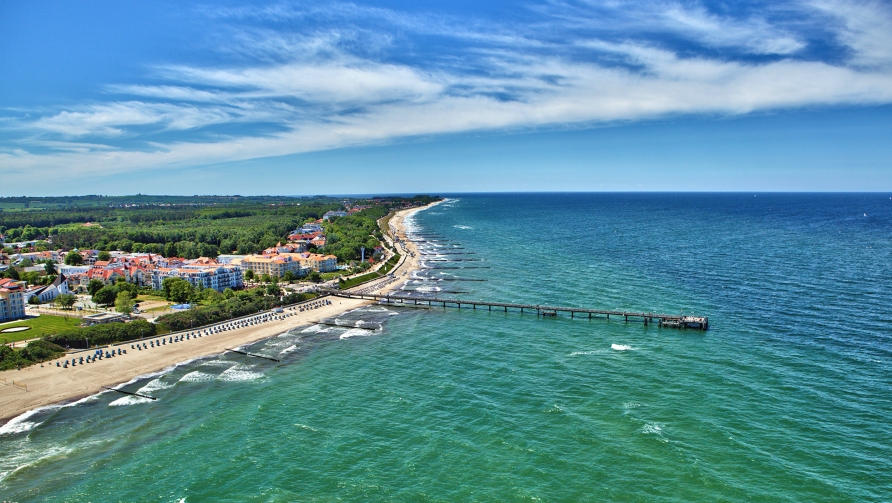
x,y
785,398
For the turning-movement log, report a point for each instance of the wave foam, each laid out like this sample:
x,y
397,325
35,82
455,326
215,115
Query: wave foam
x,y
355,332
154,385
238,373
197,376
621,347
129,400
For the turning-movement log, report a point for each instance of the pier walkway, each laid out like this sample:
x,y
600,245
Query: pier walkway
x,y
663,320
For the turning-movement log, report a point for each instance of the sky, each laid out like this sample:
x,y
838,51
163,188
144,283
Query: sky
x,y
390,96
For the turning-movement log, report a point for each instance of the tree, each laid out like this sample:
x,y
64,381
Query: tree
x,y
288,276
124,303
105,296
33,300
265,278
249,275
170,250
315,277
74,258
50,267
66,300
177,289
94,286
103,256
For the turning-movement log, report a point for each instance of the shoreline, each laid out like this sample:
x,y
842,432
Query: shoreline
x,y
48,385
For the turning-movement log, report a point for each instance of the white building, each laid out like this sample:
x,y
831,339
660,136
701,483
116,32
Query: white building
x,y
12,300
214,276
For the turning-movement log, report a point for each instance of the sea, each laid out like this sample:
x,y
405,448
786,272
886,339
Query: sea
x,y
787,397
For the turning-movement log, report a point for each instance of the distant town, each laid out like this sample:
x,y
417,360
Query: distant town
x,y
146,245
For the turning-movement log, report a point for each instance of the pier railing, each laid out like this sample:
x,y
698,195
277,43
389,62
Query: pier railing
x,y
663,320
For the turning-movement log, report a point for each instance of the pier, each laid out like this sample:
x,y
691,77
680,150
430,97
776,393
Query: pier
x,y
662,320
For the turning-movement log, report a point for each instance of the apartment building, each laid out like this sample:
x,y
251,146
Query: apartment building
x,y
12,299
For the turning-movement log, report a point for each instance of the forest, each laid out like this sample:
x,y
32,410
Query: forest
x,y
192,227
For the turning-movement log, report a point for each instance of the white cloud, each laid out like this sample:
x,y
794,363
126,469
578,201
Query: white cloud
x,y
756,35
320,96
346,80
866,29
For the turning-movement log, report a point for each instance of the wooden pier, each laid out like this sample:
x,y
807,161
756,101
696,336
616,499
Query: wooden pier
x,y
662,320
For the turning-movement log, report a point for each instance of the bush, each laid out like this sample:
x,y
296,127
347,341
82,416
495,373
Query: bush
x,y
241,304
41,351
35,352
100,335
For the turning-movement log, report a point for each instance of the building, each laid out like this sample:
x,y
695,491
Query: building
x,y
102,318
227,259
330,214
274,265
12,299
202,272
48,293
319,263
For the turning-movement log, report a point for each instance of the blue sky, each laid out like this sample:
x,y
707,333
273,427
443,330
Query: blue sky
x,y
116,97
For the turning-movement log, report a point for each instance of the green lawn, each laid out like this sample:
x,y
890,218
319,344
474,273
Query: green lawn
x,y
147,297
44,324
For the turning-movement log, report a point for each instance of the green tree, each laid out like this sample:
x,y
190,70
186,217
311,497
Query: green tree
x,y
170,250
289,276
50,267
177,289
249,275
74,258
124,303
105,296
103,256
66,300
94,286
265,278
315,277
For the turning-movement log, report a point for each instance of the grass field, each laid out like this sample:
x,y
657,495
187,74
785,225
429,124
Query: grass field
x,y
44,324
365,278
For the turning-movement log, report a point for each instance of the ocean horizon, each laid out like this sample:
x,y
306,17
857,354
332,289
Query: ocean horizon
x,y
784,398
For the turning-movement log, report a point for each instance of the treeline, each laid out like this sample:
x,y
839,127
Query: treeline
x,y
188,233
347,235
243,226
101,335
240,304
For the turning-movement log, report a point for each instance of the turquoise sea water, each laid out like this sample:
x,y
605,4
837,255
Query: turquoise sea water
x,y
785,398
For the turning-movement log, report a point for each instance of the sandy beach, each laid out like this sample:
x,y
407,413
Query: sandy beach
x,y
48,384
